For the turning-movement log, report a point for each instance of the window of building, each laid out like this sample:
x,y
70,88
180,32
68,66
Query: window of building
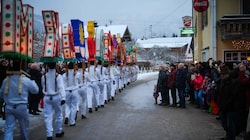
x,y
233,56
246,6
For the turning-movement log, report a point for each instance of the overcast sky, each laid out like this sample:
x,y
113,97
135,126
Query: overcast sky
x,y
165,16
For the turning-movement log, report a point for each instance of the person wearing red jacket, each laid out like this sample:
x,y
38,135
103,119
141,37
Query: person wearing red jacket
x,y
197,83
171,84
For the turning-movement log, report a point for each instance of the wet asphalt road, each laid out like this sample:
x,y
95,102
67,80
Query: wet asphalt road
x,y
134,116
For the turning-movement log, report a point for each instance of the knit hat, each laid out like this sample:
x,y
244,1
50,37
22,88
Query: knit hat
x,y
224,70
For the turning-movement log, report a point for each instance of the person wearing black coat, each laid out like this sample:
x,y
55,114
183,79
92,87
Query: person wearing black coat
x,y
34,99
162,86
180,83
230,99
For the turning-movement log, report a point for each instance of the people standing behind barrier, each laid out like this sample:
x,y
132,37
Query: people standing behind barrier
x,y
171,84
71,79
196,82
34,99
162,86
231,101
54,98
181,77
14,91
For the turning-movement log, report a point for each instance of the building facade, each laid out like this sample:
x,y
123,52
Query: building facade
x,y
222,32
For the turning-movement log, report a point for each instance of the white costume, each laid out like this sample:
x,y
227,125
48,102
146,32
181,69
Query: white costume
x,y
71,80
83,88
93,81
107,85
113,74
54,92
100,78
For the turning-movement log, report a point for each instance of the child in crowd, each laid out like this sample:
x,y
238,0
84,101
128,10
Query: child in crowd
x,y
155,94
207,91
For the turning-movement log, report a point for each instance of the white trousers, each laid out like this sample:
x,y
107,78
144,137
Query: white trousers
x,y
71,105
101,95
83,93
96,91
89,97
52,104
113,87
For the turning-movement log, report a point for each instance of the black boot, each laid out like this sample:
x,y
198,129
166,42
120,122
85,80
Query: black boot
x,y
66,121
90,110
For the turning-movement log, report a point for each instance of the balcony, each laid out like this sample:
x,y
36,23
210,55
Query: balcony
x,y
235,27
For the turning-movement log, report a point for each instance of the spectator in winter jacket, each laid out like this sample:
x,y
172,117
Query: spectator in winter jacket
x,y
181,77
171,83
196,82
34,99
231,103
245,82
162,86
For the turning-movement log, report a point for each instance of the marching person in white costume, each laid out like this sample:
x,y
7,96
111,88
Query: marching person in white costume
x,y
93,84
83,88
124,77
15,90
100,77
53,89
113,74
107,85
117,77
120,86
71,79
89,90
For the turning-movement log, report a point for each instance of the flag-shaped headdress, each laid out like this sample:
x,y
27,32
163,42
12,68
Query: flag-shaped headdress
x,y
79,40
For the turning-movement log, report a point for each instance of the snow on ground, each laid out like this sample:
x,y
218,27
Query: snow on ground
x,y
145,75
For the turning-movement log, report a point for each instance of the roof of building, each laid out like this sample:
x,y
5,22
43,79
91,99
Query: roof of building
x,y
114,29
171,42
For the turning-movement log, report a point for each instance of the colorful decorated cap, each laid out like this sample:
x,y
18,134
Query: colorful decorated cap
x,y
17,43
51,50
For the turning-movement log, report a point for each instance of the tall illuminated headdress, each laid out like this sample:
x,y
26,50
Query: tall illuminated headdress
x,y
99,38
78,39
68,43
91,41
17,30
51,50
16,38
